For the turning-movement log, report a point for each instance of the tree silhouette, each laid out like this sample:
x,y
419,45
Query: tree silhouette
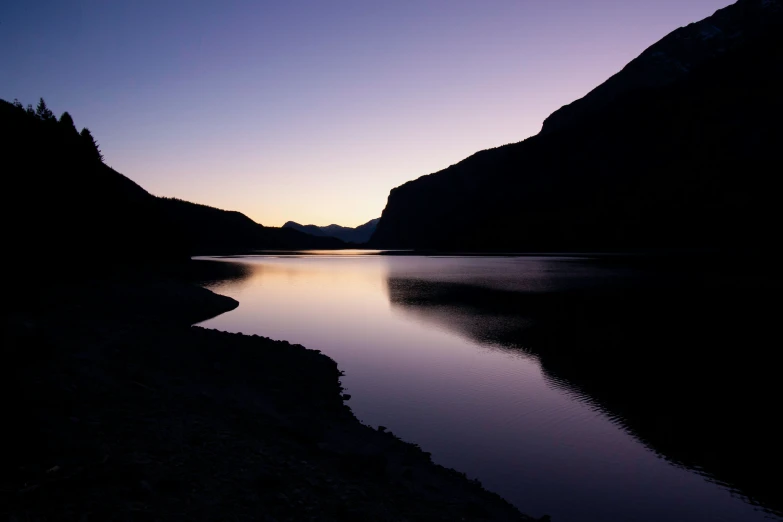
x,y
30,109
67,122
43,112
18,104
91,144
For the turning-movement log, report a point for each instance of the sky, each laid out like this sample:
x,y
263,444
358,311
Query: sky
x,y
312,111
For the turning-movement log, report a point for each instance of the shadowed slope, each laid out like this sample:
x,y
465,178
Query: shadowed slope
x,y
60,198
210,230
653,158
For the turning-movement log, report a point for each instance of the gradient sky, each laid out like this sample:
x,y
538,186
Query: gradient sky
x,y
313,110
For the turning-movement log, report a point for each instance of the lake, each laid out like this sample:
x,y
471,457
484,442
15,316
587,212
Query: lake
x,y
586,388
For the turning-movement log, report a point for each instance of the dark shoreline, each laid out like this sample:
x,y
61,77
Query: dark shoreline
x,y
126,412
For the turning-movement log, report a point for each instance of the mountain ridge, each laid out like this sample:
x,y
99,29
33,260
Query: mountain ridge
x,y
671,58
655,167
360,234
61,197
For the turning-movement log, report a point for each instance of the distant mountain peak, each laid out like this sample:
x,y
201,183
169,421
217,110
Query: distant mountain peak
x,y
360,234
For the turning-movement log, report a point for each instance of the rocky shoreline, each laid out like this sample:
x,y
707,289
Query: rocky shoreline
x,y
123,411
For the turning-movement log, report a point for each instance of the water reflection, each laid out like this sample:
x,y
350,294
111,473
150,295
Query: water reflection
x,y
681,366
497,366
218,274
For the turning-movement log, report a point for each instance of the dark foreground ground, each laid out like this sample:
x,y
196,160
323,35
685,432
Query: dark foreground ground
x,y
115,408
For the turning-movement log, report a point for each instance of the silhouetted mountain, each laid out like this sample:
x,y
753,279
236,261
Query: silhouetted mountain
x,y
360,234
60,198
212,230
673,151
313,230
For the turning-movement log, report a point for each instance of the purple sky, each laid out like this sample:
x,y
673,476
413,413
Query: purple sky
x,y
313,110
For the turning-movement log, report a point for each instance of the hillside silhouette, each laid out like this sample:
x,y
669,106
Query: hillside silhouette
x,y
672,152
360,234
209,230
60,198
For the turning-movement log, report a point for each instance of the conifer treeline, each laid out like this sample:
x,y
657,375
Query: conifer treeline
x,y
43,113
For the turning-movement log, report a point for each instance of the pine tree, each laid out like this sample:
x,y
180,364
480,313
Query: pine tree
x,y
18,104
43,112
67,122
91,144
30,109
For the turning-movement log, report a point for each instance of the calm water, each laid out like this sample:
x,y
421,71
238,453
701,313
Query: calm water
x,y
435,348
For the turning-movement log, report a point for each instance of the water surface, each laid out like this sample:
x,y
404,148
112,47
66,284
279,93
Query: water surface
x,y
458,355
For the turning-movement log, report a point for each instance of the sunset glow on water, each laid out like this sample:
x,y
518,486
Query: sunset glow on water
x,y
479,406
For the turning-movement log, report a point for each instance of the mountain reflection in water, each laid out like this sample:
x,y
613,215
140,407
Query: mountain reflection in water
x,y
684,365
676,352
